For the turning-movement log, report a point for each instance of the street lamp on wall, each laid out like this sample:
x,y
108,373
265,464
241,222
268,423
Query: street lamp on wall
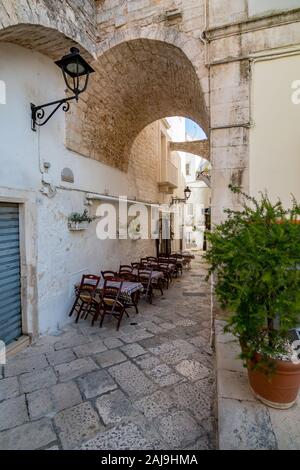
x,y
187,194
76,72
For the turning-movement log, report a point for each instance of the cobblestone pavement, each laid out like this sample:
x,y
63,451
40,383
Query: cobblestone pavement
x,y
148,386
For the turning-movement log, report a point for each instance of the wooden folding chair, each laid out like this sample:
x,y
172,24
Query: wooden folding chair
x,y
145,278
111,302
85,295
108,274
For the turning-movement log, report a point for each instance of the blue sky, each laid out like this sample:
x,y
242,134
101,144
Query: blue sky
x,y
193,130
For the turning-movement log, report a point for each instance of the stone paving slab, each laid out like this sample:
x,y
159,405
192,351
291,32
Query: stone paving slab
x,y
39,404
133,350
244,425
178,429
136,336
121,437
112,343
78,423
173,351
95,347
9,388
48,402
70,340
38,379
156,404
233,384
30,436
132,380
193,370
60,357
286,427
70,370
13,412
109,358
65,395
113,407
146,361
227,356
27,364
96,383
194,399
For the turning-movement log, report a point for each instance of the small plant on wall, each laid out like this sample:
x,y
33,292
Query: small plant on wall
x,y
254,257
79,221
134,229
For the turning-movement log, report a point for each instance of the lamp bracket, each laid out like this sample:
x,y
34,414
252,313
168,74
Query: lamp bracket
x,y
38,112
177,200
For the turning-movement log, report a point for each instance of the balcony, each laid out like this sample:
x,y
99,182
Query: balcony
x,y
168,177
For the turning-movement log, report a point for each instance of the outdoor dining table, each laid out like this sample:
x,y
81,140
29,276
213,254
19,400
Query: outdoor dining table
x,y
187,255
163,264
128,290
128,287
155,274
175,260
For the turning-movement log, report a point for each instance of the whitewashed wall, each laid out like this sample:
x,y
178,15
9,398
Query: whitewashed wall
x,y
62,256
275,136
259,7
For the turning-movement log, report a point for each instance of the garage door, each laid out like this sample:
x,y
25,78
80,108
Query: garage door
x,y
10,280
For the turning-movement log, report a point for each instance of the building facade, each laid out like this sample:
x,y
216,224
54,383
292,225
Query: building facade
x,y
232,67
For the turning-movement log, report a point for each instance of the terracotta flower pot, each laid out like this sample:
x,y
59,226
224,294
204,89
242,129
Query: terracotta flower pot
x,y
278,390
279,221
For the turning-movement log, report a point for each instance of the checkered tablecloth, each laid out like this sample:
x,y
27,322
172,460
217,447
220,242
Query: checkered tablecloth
x,y
155,274
128,287
163,264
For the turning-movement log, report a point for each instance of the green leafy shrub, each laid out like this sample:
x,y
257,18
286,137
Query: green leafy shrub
x,y
76,217
255,258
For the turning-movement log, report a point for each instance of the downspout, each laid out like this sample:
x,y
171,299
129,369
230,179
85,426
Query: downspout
x,y
204,39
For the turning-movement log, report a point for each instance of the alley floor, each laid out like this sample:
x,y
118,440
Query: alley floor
x,y
148,386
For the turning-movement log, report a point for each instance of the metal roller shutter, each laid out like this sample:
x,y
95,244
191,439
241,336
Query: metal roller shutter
x,y
10,280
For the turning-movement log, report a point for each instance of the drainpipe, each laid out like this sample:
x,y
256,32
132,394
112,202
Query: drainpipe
x,y
105,197
205,41
203,37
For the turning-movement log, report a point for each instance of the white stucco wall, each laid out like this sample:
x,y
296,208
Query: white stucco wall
x,y
275,137
258,7
62,256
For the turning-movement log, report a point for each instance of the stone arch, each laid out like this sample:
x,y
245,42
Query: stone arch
x,y
193,48
142,75
195,147
47,26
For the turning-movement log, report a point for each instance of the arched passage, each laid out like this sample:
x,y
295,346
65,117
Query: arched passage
x,y
47,26
195,147
138,81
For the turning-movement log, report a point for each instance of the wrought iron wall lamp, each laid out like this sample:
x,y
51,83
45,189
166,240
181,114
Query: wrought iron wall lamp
x,y
73,67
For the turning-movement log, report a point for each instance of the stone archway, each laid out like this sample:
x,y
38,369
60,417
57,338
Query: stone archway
x,y
195,147
48,26
142,76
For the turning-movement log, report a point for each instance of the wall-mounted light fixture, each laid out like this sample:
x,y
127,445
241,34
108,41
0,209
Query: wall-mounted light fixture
x,y
187,194
73,67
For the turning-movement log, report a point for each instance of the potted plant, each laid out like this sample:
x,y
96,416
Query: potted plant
x,y
134,229
79,221
254,257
